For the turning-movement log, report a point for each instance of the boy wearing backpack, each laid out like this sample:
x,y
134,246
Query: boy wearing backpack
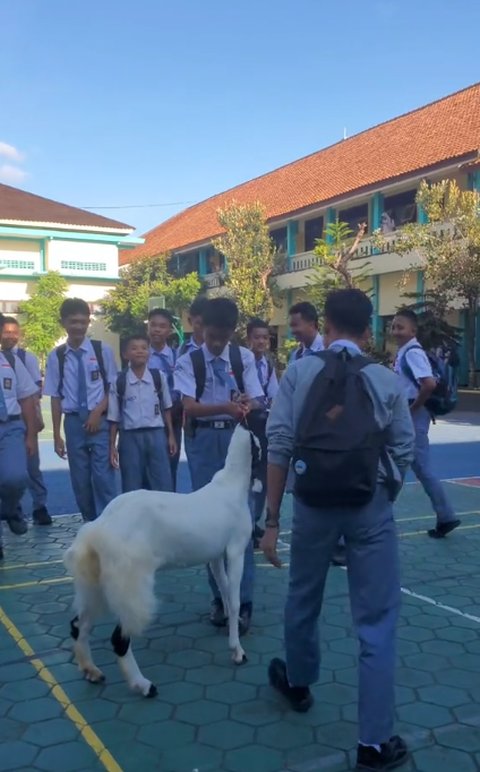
x,y
345,426
195,319
139,406
258,338
36,485
415,373
218,382
304,328
78,378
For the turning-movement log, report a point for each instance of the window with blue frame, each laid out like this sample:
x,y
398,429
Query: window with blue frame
x,y
279,238
313,231
399,210
355,216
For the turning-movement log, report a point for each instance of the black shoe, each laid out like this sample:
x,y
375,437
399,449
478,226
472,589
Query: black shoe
x,y
443,528
245,618
18,525
217,613
300,698
392,754
41,517
339,557
257,537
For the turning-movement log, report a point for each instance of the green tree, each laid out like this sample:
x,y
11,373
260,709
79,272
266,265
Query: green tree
x,y
125,308
432,309
448,248
250,257
41,314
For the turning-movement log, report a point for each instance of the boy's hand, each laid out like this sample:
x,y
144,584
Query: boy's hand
x,y
238,410
172,445
94,421
268,545
31,444
59,446
114,458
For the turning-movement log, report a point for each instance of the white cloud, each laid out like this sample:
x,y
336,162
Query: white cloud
x,y
10,152
12,175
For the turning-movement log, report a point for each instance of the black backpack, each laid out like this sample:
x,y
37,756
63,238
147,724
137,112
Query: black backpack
x,y
22,355
338,445
200,369
122,385
61,352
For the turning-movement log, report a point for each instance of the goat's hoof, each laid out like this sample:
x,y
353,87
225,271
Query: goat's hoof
x,y
239,659
94,675
152,692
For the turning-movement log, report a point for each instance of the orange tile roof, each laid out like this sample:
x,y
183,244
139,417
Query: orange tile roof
x,y
20,206
419,140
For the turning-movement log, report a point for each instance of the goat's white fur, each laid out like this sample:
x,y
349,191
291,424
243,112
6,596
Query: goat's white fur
x,y
113,559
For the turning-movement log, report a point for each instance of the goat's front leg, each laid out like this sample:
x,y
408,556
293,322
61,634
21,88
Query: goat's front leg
x,y
128,665
234,574
80,628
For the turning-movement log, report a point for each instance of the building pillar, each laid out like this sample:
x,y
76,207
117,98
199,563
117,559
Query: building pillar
x,y
376,305
474,181
377,210
43,256
330,219
422,216
202,262
292,232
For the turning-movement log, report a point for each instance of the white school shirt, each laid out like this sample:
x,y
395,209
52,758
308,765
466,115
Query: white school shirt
x,y
418,363
140,406
15,384
215,392
95,388
271,387
31,363
316,345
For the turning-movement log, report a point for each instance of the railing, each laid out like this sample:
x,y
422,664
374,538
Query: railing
x,y
213,280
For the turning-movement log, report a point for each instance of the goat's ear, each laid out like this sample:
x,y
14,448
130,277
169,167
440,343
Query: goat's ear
x,y
257,486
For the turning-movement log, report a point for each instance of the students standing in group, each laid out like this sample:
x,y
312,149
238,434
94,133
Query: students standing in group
x,y
415,372
217,383
195,320
258,337
10,337
140,409
78,378
162,357
18,438
304,328
332,402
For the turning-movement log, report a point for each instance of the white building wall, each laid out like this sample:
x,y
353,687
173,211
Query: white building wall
x,y
82,258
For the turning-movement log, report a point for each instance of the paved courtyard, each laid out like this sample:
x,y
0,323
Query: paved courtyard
x,y
212,716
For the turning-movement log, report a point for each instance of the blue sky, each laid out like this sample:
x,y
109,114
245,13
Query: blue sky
x,y
114,102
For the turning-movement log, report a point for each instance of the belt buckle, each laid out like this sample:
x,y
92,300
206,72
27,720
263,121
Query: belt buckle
x,y
219,424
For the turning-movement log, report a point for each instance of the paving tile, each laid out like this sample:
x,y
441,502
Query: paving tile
x,y
51,732
165,735
67,757
11,730
441,759
144,712
201,712
256,713
282,735
189,658
254,758
463,738
16,754
231,693
210,674
443,695
468,714
226,735
424,714
180,692
200,757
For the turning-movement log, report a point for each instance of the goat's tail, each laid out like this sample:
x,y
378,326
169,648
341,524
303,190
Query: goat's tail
x,y
107,577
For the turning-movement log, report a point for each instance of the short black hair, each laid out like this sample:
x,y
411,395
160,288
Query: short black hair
x,y
221,312
198,306
135,336
72,306
9,320
407,313
255,324
307,311
161,312
349,310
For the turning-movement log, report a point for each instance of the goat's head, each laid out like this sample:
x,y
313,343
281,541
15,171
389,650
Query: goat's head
x,y
245,443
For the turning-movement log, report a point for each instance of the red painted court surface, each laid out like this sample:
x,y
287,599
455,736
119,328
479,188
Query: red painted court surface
x,y
210,716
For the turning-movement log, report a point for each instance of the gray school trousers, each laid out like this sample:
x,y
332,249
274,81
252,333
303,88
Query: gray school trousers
x,y
374,587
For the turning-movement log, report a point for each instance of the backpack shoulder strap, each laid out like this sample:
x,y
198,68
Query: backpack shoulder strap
x,y
61,352
22,355
10,358
157,382
199,371
405,367
121,387
97,347
299,352
237,366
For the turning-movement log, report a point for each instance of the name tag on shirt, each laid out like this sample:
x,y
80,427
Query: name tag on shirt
x,y
157,409
95,375
7,384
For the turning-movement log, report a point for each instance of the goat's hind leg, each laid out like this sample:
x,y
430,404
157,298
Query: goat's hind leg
x,y
234,574
217,568
80,628
128,665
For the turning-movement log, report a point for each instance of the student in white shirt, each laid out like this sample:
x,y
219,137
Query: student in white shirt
x,y
304,328
413,368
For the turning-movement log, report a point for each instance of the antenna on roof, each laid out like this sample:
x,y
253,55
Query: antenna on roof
x,y
345,132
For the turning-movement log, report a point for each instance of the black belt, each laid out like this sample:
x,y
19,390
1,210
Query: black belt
x,y
12,418
75,412
144,429
220,424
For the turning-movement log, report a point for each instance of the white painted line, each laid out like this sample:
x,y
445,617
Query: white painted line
x,y
432,602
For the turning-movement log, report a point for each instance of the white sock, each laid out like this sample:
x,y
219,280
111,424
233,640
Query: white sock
x,y
371,745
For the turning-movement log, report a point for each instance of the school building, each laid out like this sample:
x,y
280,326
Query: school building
x,y
39,235
371,177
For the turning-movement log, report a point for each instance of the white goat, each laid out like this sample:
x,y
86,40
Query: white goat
x,y
113,559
